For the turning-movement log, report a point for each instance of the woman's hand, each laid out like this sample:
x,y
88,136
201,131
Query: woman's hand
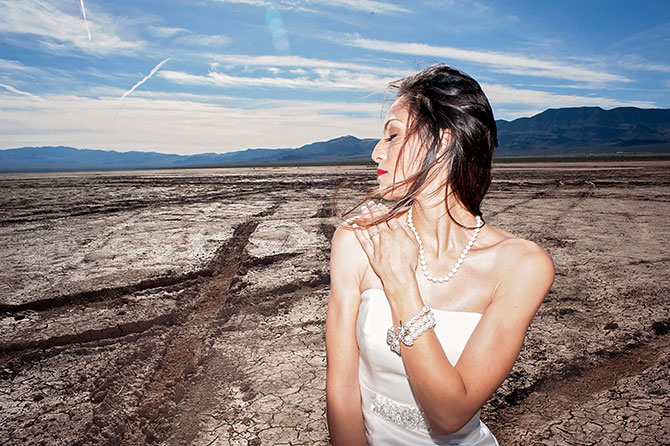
x,y
390,247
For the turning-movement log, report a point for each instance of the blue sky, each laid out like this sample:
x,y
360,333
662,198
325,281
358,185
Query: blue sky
x,y
179,76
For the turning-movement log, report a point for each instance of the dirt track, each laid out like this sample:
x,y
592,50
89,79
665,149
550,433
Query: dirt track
x,y
188,307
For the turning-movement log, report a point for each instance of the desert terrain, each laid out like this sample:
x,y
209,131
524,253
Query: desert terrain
x,y
187,307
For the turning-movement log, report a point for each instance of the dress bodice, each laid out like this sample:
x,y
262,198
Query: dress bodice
x,y
392,413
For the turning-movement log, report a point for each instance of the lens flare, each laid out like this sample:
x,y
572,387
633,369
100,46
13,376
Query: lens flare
x,y
277,31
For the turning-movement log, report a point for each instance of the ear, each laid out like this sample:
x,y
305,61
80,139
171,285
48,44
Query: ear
x,y
445,141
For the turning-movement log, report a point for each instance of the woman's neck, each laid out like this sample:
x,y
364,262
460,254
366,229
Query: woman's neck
x,y
440,234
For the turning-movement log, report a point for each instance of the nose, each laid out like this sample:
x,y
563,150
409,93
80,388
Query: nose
x,y
377,152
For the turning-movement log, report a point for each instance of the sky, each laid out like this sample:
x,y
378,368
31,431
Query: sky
x,y
186,77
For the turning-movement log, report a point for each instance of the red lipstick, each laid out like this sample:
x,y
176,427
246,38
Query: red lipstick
x,y
380,172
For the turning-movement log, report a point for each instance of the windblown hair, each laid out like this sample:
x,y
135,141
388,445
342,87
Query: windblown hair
x,y
441,99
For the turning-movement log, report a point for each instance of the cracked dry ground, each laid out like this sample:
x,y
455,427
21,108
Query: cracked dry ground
x,y
188,307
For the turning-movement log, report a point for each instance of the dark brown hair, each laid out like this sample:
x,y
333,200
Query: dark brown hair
x,y
440,99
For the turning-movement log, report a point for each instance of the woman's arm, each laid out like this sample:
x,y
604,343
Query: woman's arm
x,y
345,417
450,395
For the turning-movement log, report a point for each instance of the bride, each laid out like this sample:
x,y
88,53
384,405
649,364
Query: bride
x,y
428,305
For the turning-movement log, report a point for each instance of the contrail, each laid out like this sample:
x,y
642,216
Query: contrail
x,y
14,90
83,11
151,73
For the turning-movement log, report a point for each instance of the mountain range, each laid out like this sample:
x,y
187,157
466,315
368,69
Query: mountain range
x,y
580,131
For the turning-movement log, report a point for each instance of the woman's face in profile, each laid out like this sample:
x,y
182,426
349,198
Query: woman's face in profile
x,y
394,164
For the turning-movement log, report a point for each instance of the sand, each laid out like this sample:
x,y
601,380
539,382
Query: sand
x,y
188,307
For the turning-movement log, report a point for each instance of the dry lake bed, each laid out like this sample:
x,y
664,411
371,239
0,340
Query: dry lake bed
x,y
187,307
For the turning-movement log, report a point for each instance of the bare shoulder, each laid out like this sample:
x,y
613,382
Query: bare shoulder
x,y
523,268
346,246
348,261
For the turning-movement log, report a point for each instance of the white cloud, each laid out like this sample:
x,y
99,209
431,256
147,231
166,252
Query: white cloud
x,y
363,5
204,40
501,94
185,122
19,92
377,7
178,125
634,62
322,79
303,62
13,65
499,62
63,30
510,114
165,31
291,106
246,2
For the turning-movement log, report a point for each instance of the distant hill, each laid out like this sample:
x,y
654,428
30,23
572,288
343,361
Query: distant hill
x,y
586,130
581,131
346,149
45,159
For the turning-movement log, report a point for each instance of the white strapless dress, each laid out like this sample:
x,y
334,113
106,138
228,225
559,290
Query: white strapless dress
x,y
391,413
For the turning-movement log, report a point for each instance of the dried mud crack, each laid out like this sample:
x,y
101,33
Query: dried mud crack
x,y
188,307
554,396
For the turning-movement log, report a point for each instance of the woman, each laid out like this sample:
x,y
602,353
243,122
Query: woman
x,y
428,306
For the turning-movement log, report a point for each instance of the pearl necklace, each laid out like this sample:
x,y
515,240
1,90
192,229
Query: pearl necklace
x,y
422,257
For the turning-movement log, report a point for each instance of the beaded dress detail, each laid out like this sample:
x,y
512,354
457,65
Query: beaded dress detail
x,y
392,415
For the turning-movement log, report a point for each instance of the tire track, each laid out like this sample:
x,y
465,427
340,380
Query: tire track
x,y
114,293
105,294
185,350
110,332
559,215
242,189
535,196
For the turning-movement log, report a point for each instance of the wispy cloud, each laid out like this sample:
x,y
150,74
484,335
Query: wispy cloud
x,y
246,2
318,79
13,65
502,94
59,29
303,62
203,40
496,61
153,71
19,92
635,62
165,31
377,7
362,5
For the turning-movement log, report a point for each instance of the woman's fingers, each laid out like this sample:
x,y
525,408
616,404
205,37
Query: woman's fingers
x,y
376,210
375,232
371,211
379,210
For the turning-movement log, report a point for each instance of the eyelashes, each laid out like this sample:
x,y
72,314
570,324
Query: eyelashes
x,y
391,137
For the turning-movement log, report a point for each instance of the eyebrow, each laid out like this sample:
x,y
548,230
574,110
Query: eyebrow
x,y
393,118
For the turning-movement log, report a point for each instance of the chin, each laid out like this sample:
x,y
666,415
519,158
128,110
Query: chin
x,y
390,194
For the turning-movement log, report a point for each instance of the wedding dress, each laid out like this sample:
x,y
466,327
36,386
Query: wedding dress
x,y
390,411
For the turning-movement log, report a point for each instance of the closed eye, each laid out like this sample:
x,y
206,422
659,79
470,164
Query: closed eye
x,y
390,138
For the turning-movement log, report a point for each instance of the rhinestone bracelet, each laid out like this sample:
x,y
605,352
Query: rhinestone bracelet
x,y
417,325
